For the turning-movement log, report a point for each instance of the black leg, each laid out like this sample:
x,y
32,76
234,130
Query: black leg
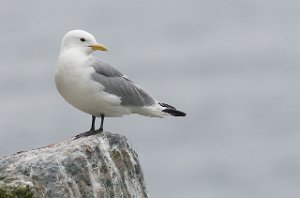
x,y
102,121
92,131
93,123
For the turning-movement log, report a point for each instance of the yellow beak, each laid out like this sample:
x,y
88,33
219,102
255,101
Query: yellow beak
x,y
99,47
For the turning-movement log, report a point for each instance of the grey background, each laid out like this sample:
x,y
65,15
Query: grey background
x,y
233,66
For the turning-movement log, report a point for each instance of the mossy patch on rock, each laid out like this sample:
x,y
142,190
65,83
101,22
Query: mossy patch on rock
x,y
15,191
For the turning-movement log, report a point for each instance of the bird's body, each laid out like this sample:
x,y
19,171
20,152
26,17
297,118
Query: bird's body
x,y
97,88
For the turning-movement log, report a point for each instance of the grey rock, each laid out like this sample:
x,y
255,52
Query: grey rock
x,y
103,165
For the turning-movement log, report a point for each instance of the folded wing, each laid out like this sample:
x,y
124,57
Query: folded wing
x,y
117,84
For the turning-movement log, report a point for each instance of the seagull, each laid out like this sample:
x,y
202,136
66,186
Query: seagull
x,y
97,88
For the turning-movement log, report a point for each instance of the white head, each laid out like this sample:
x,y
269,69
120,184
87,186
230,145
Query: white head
x,y
82,41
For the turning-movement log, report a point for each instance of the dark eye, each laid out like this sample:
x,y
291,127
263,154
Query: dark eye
x,y
82,39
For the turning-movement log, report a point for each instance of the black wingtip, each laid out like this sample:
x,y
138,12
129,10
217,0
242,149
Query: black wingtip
x,y
171,110
174,112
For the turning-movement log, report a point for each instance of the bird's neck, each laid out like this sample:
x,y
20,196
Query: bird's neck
x,y
73,59
74,54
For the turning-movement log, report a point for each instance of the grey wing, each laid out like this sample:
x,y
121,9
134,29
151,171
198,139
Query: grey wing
x,y
104,68
115,83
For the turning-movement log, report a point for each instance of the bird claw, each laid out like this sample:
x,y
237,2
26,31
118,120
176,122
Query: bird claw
x,y
88,133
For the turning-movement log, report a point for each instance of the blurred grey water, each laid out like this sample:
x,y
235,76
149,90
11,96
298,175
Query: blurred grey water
x,y
233,66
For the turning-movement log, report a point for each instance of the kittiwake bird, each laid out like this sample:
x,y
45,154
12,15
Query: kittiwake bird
x,y
97,88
